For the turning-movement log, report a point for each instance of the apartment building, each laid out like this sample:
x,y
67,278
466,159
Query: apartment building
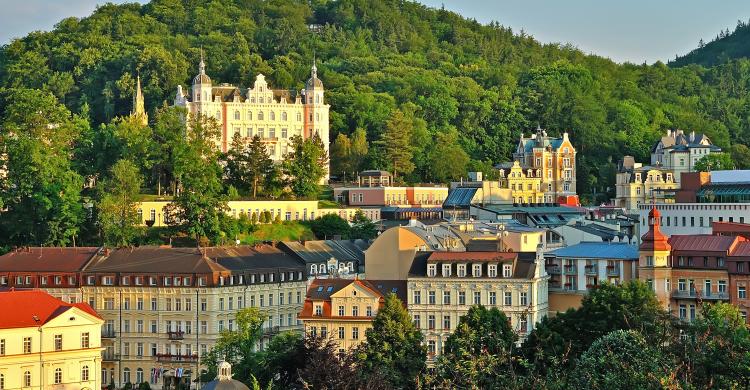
x,y
442,286
584,266
46,343
343,309
163,308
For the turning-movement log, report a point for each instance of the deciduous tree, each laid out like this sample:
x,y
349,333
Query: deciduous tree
x,y
118,211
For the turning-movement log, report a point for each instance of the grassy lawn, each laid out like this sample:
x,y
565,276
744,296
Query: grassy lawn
x,y
328,204
288,231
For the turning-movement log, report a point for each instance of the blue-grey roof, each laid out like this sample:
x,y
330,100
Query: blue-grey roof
x,y
598,250
459,197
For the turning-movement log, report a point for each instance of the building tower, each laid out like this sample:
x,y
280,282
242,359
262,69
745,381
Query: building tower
x,y
316,111
139,106
654,265
201,84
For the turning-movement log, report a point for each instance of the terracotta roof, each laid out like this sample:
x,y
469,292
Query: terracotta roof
x,y
472,256
322,289
46,259
702,243
20,307
741,249
654,239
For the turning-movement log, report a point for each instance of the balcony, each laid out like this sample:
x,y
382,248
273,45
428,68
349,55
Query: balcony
x,y
553,269
695,294
613,270
169,357
570,269
178,335
570,287
110,356
108,333
591,269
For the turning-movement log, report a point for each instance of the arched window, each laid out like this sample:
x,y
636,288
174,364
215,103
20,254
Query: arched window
x,y
27,379
260,115
314,269
58,376
283,116
139,375
249,115
126,375
272,116
299,117
237,115
84,373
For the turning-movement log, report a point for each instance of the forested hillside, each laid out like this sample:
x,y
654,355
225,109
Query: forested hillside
x,y
724,47
464,91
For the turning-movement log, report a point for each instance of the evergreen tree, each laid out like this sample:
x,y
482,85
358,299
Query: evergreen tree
x,y
258,161
306,165
118,211
393,349
396,145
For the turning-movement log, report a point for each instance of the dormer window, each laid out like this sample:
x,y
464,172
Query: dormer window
x,y
138,280
431,270
492,270
108,280
90,280
151,281
177,281
446,270
318,310
461,270
507,270
476,270
43,281
126,280
167,281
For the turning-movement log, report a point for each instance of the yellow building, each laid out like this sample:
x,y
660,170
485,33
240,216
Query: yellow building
x,y
637,184
285,210
524,183
47,343
555,157
164,308
343,309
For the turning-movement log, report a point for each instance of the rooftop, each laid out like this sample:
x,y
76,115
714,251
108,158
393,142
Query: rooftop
x,y
47,259
323,250
598,250
702,242
472,256
19,308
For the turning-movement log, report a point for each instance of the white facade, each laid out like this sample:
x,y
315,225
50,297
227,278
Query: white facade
x,y
679,152
273,115
693,218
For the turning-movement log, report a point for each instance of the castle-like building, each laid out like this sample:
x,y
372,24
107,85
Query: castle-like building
x,y
554,158
274,115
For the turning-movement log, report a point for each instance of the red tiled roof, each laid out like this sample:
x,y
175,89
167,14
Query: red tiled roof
x,y
330,286
654,239
703,243
46,259
472,256
20,307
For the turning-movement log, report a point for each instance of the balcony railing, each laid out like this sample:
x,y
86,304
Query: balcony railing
x,y
178,335
110,356
613,270
553,269
170,357
108,333
570,269
692,294
569,286
590,270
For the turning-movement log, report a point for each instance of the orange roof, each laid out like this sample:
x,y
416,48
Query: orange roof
x,y
19,308
472,256
654,239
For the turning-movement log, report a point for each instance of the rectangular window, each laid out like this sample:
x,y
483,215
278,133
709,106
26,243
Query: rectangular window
x,y
447,322
153,304
476,270
477,298
507,298
461,297
355,333
523,299
417,297
741,292
507,270
492,298
431,297
27,345
417,320
431,322
446,297
341,332
355,311
85,340
462,270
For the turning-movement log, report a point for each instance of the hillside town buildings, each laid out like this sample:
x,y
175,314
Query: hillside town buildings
x,y
164,308
554,158
46,343
637,184
678,152
273,115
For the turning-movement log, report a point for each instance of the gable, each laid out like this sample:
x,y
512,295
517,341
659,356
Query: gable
x,y
355,289
72,316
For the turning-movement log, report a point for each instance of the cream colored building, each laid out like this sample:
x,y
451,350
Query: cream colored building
x,y
555,158
70,353
638,184
285,210
442,286
524,183
164,308
274,115
343,309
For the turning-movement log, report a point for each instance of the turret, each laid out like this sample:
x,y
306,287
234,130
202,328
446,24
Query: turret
x,y
202,84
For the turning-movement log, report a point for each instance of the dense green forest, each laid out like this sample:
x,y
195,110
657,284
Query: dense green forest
x,y
724,47
466,88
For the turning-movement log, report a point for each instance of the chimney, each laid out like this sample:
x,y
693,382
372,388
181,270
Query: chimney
x,y
692,136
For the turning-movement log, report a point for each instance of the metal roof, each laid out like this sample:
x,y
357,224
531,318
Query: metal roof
x,y
701,242
598,250
733,176
460,197
724,189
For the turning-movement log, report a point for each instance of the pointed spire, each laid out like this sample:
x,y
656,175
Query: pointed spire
x,y
314,67
139,105
202,65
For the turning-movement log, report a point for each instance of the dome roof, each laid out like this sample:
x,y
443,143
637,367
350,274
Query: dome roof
x,y
313,82
202,79
225,384
654,239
